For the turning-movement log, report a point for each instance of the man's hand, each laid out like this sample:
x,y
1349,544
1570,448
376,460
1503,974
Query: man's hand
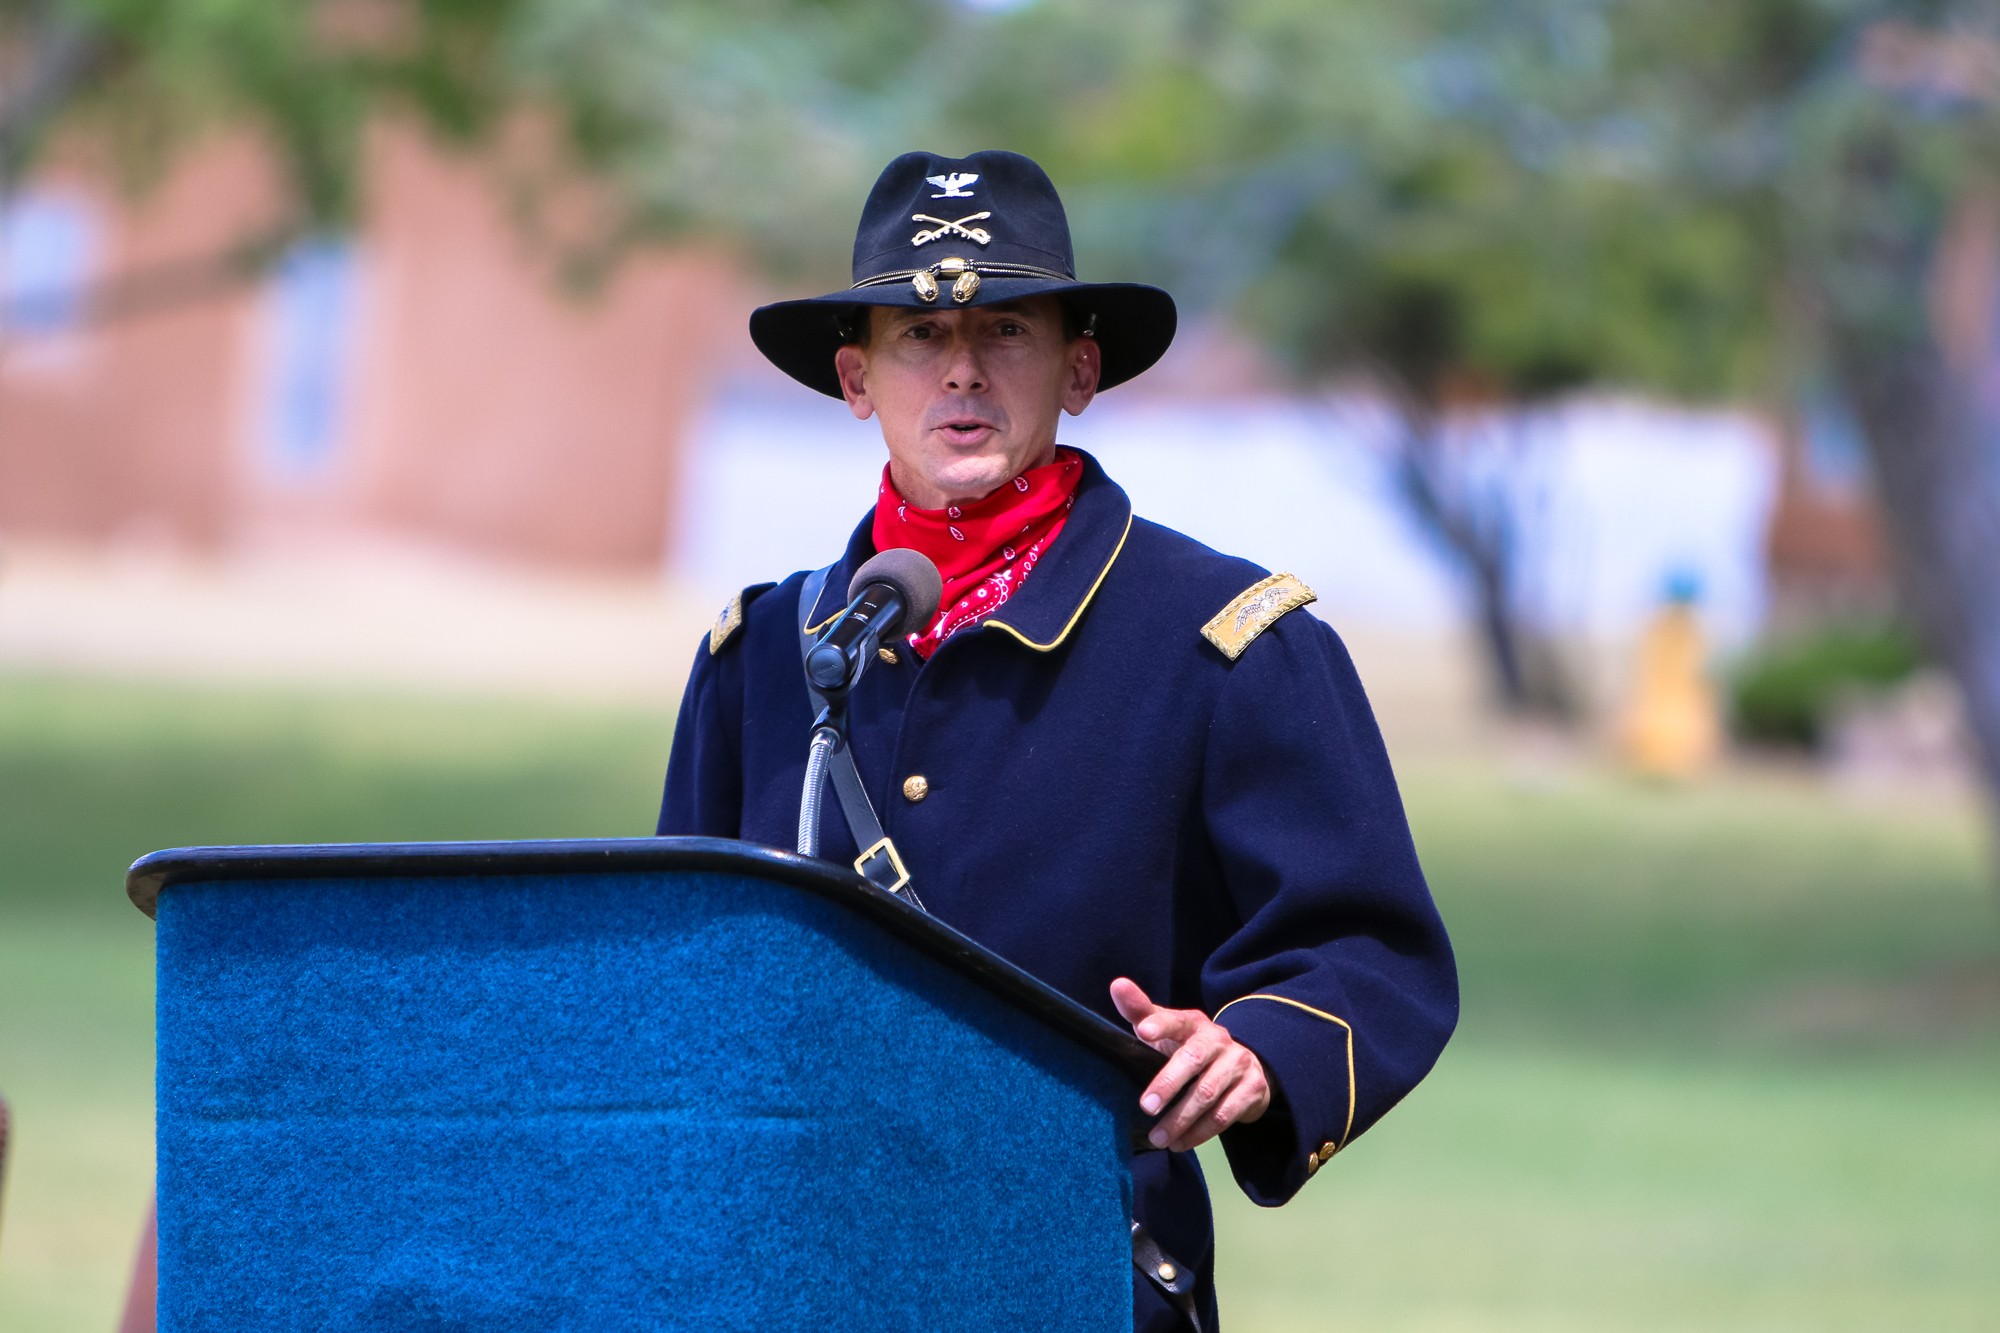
x,y
1224,1080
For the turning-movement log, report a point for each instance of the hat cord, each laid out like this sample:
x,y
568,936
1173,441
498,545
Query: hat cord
x,y
967,272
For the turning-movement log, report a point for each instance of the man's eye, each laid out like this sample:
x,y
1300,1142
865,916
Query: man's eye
x,y
1012,330
919,331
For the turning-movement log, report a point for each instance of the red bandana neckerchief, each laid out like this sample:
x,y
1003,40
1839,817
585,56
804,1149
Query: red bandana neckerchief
x,y
984,550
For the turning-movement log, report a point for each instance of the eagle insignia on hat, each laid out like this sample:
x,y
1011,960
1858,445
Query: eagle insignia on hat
x,y
954,184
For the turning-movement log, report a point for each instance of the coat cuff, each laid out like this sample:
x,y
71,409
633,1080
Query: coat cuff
x,y
1308,1056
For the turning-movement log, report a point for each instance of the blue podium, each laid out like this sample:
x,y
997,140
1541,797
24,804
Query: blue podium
x,y
610,1085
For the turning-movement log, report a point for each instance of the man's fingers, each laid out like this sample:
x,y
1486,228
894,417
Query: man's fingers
x,y
1189,1060
1175,1026
1131,1000
1209,1077
1241,1101
1164,1029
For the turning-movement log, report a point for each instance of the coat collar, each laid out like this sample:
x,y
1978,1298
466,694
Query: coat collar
x,y
1048,606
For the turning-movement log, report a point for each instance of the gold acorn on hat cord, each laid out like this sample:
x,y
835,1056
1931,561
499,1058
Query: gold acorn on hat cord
x,y
965,283
965,280
966,277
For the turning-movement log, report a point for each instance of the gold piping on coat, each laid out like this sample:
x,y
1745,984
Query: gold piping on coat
x,y
1345,1027
1056,642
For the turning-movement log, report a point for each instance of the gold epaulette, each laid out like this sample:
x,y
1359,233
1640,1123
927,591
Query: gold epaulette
x,y
726,624
1255,610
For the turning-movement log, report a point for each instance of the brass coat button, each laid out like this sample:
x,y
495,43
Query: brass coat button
x,y
1312,1162
1326,1151
887,655
916,787
1168,1272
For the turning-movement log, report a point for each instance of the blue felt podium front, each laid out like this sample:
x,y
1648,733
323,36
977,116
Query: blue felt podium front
x,y
614,1100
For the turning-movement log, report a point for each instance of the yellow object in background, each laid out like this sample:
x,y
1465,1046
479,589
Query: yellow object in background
x,y
1673,726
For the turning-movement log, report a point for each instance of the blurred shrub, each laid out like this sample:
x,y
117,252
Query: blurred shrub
x,y
1784,693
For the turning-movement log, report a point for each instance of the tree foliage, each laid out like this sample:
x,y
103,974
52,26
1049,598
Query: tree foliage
x,y
1491,200
150,77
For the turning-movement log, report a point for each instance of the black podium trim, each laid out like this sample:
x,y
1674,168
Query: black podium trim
x,y
156,872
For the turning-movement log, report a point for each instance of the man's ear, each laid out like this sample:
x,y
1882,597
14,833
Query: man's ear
x,y
1086,363
851,364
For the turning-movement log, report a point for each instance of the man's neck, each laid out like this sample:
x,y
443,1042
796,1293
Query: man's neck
x,y
923,495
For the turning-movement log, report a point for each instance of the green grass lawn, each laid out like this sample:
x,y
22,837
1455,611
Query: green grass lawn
x,y
1730,1057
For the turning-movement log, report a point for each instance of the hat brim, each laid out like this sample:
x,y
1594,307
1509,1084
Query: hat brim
x,y
1135,323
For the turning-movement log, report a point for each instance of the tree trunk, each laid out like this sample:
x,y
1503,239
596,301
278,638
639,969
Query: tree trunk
x,y
1483,550
1934,440
1523,662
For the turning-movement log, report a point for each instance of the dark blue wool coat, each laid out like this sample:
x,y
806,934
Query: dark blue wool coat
x,y
1110,795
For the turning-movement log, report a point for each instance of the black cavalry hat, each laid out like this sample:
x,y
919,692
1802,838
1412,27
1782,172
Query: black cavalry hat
x,y
950,233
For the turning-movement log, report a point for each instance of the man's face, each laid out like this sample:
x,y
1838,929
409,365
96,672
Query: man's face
x,y
968,399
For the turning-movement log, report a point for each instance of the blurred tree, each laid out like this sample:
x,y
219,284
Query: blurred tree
x,y
1451,202
1894,232
750,121
1464,200
149,77
1460,202
737,119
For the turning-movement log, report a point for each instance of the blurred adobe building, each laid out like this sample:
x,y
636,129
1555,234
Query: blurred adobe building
x,y
382,404
428,377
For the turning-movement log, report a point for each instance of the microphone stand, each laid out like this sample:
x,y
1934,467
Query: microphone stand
x,y
829,732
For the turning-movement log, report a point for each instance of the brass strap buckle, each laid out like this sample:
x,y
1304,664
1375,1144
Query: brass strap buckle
x,y
888,849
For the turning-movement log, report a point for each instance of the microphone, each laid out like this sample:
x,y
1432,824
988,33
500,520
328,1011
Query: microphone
x,y
898,587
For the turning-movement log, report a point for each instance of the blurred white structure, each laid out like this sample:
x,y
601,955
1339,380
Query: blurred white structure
x,y
1614,499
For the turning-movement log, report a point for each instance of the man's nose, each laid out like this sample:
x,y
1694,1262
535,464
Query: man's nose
x,y
963,371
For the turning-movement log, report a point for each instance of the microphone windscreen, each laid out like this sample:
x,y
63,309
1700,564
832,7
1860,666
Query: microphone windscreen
x,y
912,574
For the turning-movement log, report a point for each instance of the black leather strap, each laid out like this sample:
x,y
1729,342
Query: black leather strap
x,y
880,863
1165,1272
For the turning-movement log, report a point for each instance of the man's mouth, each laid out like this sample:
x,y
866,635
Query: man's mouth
x,y
966,428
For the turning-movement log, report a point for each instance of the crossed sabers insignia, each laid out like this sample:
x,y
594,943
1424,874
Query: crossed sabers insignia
x,y
977,235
